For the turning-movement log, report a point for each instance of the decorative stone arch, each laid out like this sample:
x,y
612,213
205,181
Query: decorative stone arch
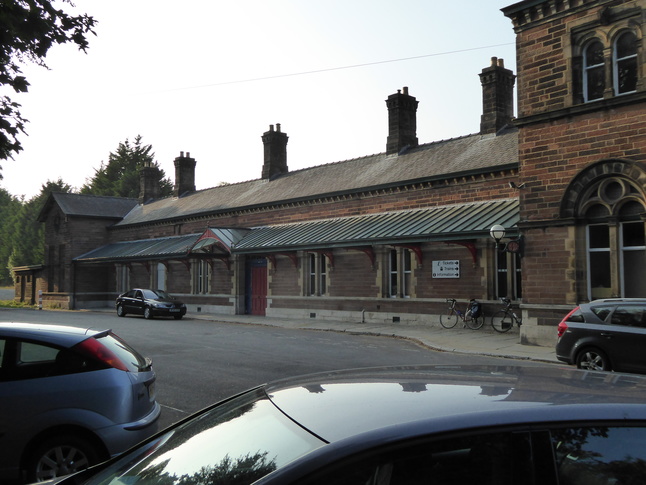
x,y
607,188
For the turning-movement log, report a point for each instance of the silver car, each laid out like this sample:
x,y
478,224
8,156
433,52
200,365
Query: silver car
x,y
69,398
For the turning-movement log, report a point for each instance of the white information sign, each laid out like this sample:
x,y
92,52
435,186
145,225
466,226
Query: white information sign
x,y
446,269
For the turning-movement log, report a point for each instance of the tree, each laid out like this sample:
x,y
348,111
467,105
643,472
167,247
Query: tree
x,y
23,234
120,176
28,29
9,206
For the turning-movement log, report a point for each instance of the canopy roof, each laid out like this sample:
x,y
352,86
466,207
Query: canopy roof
x,y
443,223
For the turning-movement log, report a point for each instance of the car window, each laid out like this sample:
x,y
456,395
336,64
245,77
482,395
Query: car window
x,y
600,455
632,316
29,353
602,311
499,458
137,294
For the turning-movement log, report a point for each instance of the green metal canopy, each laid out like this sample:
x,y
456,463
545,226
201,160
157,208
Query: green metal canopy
x,y
443,223
458,222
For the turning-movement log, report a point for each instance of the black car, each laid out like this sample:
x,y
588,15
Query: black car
x,y
605,335
498,425
149,303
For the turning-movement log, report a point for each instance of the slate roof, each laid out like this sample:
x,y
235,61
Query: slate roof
x,y
88,206
434,161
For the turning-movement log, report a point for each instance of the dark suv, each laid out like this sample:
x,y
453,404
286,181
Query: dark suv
x,y
605,335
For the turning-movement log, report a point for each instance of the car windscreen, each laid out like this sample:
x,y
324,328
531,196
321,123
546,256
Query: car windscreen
x,y
245,438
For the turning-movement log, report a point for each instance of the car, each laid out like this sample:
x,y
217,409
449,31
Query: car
x,y
607,334
69,398
438,424
150,304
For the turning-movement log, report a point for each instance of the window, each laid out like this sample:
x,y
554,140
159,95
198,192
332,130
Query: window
x,y
633,259
599,455
625,63
508,275
600,285
593,71
201,277
160,282
123,278
400,273
605,62
501,458
631,316
317,274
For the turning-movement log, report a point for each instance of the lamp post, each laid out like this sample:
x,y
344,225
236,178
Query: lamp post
x,y
497,232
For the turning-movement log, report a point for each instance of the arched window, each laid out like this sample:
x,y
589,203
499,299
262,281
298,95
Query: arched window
x,y
593,71
615,238
624,64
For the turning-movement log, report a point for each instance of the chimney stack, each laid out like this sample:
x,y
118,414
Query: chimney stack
x,y
402,121
149,188
497,96
184,174
275,149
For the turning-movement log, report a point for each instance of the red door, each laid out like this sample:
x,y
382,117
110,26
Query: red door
x,y
258,290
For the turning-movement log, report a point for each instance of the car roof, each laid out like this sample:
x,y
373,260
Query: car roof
x,y
55,334
340,405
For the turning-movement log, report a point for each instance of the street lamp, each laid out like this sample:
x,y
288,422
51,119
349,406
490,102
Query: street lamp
x,y
497,232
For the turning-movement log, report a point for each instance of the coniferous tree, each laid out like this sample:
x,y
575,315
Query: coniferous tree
x,y
25,235
120,176
9,206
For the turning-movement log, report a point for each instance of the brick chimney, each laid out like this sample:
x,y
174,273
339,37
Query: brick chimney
x,y
275,147
497,96
184,174
402,121
148,183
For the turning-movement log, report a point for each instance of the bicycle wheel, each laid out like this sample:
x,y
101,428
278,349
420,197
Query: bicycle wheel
x,y
501,321
475,323
449,320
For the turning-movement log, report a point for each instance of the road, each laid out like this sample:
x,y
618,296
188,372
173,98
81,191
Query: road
x,y
199,362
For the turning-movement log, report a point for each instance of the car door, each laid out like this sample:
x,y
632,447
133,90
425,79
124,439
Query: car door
x,y
626,337
136,302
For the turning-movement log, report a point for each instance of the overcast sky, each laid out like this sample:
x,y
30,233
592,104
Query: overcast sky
x,y
209,76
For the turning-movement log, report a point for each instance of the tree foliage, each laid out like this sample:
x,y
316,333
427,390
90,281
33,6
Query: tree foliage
x,y
28,29
22,237
120,176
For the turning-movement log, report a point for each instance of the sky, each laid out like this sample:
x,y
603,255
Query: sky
x,y
210,77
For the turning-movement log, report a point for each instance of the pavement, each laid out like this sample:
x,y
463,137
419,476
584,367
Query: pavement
x,y
484,341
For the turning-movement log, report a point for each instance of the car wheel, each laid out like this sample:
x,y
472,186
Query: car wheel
x,y
148,313
592,359
120,311
59,456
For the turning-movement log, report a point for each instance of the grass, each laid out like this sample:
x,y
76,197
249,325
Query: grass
x,y
13,304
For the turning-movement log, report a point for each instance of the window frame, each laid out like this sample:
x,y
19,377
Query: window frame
x,y
400,273
201,278
616,60
588,69
317,274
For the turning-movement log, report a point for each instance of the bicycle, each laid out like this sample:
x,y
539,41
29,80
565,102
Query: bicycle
x,y
504,319
451,318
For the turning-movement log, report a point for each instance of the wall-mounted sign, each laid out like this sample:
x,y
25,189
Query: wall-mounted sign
x,y
446,269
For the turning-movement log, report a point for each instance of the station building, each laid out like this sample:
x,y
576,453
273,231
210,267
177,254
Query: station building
x,y
389,237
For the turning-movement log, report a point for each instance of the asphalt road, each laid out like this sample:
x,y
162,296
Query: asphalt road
x,y
200,362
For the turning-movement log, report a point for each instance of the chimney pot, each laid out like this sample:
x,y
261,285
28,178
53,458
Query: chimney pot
x,y
402,121
275,153
497,97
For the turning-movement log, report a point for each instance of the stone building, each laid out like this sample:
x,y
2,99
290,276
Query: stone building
x,y
388,237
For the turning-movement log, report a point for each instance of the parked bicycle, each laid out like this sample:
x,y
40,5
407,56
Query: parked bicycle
x,y
471,317
504,319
